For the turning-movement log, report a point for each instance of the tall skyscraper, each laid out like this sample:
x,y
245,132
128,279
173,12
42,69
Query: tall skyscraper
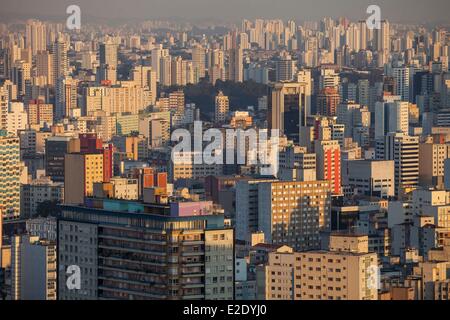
x,y
216,67
44,66
404,150
4,103
402,83
363,34
236,65
108,62
60,61
165,72
155,59
288,108
391,117
9,175
36,36
178,77
383,37
329,163
198,62
20,75
66,97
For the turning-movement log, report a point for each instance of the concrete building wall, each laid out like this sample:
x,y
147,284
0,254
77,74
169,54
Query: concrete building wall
x,y
219,264
294,213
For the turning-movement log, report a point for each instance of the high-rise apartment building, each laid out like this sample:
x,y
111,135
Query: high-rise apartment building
x,y
66,97
247,214
158,133
81,172
346,272
297,164
328,79
294,213
44,66
178,75
17,118
20,75
327,102
4,103
184,168
280,277
402,82
236,65
165,77
38,191
145,252
404,150
339,275
370,178
221,107
36,36
126,98
108,62
431,163
39,113
126,123
198,63
155,127
328,164
216,67
285,68
9,175
33,268
383,37
145,76
391,117
60,63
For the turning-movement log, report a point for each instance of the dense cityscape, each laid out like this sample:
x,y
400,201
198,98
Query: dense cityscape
x,y
269,159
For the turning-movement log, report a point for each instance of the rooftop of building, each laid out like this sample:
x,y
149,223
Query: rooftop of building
x,y
339,253
267,246
171,212
347,234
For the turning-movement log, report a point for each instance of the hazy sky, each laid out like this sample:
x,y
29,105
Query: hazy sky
x,y
231,10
